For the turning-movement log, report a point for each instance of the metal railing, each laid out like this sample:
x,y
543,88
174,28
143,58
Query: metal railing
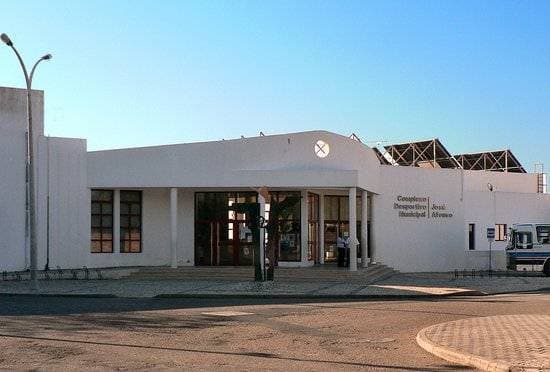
x,y
58,274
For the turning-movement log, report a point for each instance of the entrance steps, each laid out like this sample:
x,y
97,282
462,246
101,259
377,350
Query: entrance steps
x,y
325,273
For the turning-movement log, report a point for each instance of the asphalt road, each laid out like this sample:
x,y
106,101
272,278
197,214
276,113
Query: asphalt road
x,y
132,334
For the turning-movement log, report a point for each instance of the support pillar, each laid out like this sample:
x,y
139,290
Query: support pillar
x,y
304,227
364,229
352,228
372,229
321,238
173,227
116,221
261,201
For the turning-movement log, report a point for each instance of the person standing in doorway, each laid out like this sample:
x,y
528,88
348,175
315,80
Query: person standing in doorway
x,y
340,244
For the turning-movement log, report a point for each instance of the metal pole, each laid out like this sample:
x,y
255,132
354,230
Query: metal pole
x,y
47,267
30,158
490,256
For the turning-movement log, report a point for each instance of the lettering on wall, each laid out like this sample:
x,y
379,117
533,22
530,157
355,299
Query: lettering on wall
x,y
410,206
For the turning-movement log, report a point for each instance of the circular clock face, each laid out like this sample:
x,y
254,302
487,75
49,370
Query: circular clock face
x,y
322,149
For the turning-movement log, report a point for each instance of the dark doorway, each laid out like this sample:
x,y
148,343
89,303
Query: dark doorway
x,y
222,236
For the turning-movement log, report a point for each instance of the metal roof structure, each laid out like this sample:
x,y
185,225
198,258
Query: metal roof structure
x,y
425,154
381,157
499,161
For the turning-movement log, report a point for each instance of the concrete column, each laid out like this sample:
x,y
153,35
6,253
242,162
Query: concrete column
x,y
353,228
173,227
304,226
372,229
116,221
261,201
364,229
321,238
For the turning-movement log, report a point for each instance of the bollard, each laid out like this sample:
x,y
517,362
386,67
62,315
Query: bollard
x,y
59,273
86,273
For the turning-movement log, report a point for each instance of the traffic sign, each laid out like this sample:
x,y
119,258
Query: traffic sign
x,y
490,234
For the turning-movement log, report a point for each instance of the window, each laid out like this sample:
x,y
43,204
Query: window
x,y
500,232
289,225
222,235
524,240
313,227
337,223
102,221
130,221
543,234
472,236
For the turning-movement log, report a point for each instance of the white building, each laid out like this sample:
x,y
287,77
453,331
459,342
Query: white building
x,y
167,205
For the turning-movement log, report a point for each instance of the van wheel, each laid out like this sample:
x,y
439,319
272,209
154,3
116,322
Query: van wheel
x,y
546,269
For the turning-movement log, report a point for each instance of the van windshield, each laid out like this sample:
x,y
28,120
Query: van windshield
x,y
543,234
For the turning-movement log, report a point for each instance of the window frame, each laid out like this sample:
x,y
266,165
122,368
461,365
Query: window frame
x,y
101,215
520,244
538,232
500,232
471,236
129,227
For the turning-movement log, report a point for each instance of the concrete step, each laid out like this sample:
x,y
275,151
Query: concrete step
x,y
322,273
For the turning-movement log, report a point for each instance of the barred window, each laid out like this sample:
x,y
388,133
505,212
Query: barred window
x,y
130,221
500,232
102,221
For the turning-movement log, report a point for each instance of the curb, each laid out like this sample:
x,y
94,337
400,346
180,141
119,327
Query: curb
x,y
68,295
320,296
458,357
255,296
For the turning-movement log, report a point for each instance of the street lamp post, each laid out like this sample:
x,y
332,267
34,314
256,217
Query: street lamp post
x,y
30,158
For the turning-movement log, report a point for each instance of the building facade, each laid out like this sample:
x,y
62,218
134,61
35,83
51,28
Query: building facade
x,y
170,205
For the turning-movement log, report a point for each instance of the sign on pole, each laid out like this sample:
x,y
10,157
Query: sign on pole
x,y
491,234
491,239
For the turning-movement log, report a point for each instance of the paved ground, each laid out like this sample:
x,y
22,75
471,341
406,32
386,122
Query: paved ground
x,y
398,285
234,334
503,342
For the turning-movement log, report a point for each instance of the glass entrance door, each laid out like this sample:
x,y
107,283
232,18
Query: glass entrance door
x,y
223,243
222,237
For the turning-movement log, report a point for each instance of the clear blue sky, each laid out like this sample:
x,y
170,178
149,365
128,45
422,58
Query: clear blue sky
x,y
133,73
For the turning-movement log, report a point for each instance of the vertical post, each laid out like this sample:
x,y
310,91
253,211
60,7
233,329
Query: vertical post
x,y
372,246
321,238
352,229
47,267
173,227
506,161
32,193
261,202
116,221
304,226
434,153
364,229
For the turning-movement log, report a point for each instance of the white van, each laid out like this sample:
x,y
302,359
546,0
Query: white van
x,y
529,247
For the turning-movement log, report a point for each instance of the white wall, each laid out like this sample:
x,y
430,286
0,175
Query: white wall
x,y
486,209
285,160
62,174
418,244
186,227
501,181
441,244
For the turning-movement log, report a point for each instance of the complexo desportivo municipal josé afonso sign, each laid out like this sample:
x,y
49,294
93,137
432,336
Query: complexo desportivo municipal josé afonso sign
x,y
410,206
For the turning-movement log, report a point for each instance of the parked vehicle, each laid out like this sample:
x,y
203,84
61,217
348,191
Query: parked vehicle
x,y
529,247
